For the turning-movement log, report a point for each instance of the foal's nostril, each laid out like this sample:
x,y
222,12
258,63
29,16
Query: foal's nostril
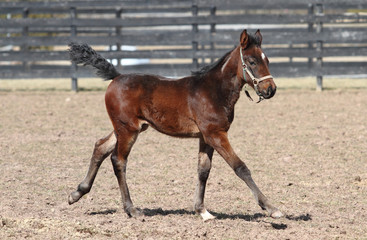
x,y
270,90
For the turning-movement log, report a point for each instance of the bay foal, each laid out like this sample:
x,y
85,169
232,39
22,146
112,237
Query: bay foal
x,y
198,106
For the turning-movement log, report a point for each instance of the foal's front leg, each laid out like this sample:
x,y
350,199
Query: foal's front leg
x,y
102,149
204,166
221,144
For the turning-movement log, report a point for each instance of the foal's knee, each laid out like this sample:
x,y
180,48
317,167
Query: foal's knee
x,y
203,174
204,167
118,165
242,171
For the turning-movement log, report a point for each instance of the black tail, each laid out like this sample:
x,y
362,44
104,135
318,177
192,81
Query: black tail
x,y
83,53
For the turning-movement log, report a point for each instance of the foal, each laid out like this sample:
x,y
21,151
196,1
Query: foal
x,y
199,106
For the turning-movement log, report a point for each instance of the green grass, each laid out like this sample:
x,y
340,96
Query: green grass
x,y
96,84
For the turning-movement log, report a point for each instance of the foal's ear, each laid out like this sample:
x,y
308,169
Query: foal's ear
x,y
244,41
259,37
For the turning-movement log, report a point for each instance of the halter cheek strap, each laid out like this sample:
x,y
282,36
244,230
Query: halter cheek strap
x,y
255,81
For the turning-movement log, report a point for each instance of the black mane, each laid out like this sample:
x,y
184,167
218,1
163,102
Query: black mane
x,y
253,40
204,70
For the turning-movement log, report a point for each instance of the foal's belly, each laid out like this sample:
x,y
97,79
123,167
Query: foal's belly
x,y
173,124
184,132
172,119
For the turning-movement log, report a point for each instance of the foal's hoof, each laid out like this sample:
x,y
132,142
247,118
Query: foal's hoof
x,y
74,197
135,213
207,216
276,214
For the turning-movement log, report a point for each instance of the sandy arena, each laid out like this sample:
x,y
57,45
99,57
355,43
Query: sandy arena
x,y
306,150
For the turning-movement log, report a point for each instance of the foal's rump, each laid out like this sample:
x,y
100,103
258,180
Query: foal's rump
x,y
139,99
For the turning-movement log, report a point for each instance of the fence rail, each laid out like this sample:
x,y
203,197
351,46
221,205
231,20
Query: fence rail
x,y
173,38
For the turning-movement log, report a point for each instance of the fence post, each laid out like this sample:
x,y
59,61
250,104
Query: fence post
x,y
213,10
25,47
74,79
319,43
310,29
118,34
195,30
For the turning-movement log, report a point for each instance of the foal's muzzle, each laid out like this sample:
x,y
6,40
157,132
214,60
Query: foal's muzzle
x,y
269,92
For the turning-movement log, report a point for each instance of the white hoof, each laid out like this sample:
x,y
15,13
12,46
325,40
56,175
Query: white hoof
x,y
277,214
206,216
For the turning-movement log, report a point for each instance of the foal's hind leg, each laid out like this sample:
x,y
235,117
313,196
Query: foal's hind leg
x,y
204,166
125,141
102,150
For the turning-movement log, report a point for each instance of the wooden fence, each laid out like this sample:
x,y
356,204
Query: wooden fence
x,y
173,38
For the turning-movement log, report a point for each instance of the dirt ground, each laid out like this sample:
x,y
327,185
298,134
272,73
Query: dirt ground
x,y
306,150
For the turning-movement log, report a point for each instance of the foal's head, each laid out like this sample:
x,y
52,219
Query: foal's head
x,y
255,65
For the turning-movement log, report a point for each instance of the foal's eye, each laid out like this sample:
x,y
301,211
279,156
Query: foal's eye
x,y
252,63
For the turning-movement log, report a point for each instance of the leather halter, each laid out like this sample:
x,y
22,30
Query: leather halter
x,y
255,81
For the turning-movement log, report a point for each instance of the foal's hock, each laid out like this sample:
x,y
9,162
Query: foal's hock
x,y
197,106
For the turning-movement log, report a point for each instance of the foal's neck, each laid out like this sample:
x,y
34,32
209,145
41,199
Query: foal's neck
x,y
230,81
228,73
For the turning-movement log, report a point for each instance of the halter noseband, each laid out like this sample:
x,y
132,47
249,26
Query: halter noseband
x,y
255,81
